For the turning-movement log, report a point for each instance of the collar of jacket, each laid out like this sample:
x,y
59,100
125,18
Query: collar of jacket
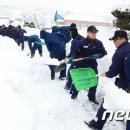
x,y
124,44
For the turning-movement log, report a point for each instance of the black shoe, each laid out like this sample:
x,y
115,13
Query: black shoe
x,y
92,124
22,49
41,55
62,78
32,55
67,88
52,78
74,96
94,101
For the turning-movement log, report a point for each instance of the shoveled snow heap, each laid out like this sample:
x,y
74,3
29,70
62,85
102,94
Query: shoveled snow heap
x,y
31,101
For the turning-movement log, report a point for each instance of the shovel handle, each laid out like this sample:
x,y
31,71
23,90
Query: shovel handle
x,y
98,75
80,59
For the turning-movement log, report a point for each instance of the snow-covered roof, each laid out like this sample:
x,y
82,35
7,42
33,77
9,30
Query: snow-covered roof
x,y
87,18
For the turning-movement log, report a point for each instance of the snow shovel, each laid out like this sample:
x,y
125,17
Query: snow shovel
x,y
62,66
84,78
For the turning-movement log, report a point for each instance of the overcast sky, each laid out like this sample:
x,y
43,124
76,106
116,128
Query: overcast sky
x,y
91,7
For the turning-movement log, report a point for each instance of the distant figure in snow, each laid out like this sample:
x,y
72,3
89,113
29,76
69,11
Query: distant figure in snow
x,y
20,39
34,44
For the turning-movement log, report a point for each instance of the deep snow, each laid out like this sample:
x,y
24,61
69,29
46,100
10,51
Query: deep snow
x,y
29,100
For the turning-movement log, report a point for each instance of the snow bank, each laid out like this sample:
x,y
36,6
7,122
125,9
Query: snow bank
x,y
115,98
31,101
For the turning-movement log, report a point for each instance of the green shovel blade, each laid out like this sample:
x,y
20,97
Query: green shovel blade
x,y
83,78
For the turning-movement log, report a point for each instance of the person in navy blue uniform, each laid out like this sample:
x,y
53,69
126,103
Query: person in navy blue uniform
x,y
34,44
87,47
117,67
76,38
55,43
64,32
21,36
127,71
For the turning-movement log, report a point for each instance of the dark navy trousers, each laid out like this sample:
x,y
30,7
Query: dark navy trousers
x,y
35,47
62,73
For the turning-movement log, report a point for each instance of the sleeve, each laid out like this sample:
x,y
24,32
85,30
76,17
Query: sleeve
x,y
116,66
78,50
127,68
103,52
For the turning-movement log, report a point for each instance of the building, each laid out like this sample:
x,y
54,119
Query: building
x,y
85,21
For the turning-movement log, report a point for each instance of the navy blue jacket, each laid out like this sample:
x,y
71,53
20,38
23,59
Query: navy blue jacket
x,y
74,45
117,66
127,68
64,32
87,48
32,39
55,44
21,34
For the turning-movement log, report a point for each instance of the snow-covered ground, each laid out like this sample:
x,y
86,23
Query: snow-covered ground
x,y
29,100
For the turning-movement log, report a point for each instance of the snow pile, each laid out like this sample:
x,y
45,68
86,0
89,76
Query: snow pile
x,y
31,101
115,98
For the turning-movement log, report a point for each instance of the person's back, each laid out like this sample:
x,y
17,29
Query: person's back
x,y
55,39
56,49
33,38
64,32
56,46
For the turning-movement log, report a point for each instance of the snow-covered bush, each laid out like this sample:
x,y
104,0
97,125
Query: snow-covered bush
x,y
38,18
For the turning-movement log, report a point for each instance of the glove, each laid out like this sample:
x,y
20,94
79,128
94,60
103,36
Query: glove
x,y
69,60
128,90
95,56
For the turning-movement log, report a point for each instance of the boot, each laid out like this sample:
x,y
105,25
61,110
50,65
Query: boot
x,y
41,55
74,96
32,55
94,101
92,124
62,78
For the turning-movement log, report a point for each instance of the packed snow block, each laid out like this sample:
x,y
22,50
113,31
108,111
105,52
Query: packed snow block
x,y
84,78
